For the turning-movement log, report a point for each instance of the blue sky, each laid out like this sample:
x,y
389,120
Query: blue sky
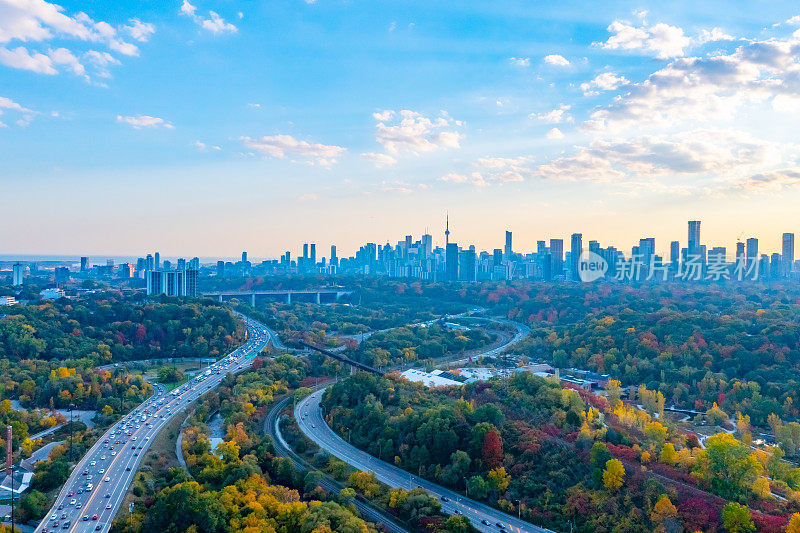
x,y
205,127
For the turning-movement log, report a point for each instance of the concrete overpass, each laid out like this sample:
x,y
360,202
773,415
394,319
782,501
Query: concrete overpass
x,y
317,296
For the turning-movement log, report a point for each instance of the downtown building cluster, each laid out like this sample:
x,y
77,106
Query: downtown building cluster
x,y
553,260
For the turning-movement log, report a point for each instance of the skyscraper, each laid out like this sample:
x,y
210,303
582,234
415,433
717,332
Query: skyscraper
x,y
451,262
334,259
17,274
313,254
557,255
752,250
84,264
575,249
508,249
674,254
497,258
157,260
739,251
244,258
787,253
693,245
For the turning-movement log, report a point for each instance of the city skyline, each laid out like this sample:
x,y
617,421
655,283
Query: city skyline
x,y
276,122
693,244
524,241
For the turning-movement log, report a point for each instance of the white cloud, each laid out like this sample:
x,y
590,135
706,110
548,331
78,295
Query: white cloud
x,y
554,134
715,35
698,152
383,116
141,31
475,178
7,104
101,61
520,61
662,40
556,116
710,88
214,23
253,105
37,21
281,146
379,160
144,121
203,147
21,58
414,132
770,181
607,81
62,56
713,159
557,60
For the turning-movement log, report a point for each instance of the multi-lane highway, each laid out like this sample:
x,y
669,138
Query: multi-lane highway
x,y
309,417
98,484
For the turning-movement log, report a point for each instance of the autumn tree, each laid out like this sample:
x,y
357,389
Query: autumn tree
x,y
492,449
794,524
663,510
614,474
736,518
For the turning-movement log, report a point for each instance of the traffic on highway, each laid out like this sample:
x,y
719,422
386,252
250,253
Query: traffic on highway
x,y
98,484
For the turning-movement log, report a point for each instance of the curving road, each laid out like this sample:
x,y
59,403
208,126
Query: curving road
x,y
308,414
368,510
109,466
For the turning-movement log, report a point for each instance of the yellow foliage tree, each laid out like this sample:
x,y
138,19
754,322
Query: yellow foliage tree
x,y
794,524
662,510
668,454
614,474
499,479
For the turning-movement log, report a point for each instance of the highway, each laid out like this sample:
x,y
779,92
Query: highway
x,y
94,491
308,414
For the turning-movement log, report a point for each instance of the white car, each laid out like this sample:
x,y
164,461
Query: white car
x,y
113,454
107,479
93,463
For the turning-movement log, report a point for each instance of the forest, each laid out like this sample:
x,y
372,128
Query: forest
x,y
242,485
564,458
111,326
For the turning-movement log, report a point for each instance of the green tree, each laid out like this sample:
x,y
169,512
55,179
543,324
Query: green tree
x,y
736,518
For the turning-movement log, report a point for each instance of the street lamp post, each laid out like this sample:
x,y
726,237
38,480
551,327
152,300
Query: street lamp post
x,y
519,509
71,406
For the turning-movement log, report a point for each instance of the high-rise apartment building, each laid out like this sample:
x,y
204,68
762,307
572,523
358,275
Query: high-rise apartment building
x,y
451,262
575,249
557,256
787,253
674,254
17,274
508,249
752,250
172,282
693,243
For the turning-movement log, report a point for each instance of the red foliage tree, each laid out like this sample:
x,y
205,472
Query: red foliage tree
x,y
493,449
